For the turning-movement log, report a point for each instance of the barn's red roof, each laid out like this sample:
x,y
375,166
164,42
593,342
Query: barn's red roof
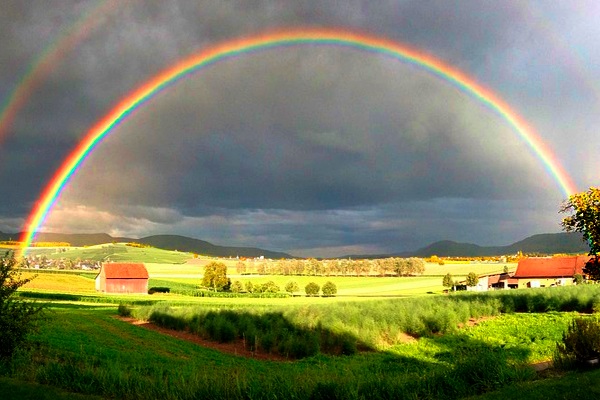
x,y
124,271
550,267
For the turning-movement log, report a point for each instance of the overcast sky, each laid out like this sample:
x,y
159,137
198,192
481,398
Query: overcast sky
x,y
316,151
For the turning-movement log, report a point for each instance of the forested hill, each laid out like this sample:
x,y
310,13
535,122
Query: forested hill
x,y
547,243
166,242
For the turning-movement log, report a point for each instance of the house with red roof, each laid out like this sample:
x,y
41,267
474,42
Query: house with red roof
x,y
122,278
549,271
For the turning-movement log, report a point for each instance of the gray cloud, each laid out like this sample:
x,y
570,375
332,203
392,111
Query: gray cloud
x,y
303,149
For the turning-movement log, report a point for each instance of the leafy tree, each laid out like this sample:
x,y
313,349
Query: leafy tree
x,y
269,287
329,289
447,281
584,209
592,268
472,279
249,287
240,267
215,276
312,289
17,318
291,287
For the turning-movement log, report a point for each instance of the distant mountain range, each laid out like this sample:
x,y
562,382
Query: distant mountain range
x,y
166,242
548,243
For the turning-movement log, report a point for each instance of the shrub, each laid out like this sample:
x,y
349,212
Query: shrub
x,y
159,289
581,342
329,289
124,310
578,279
312,289
237,287
17,318
249,287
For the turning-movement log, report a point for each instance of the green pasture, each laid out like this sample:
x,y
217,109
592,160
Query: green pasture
x,y
85,349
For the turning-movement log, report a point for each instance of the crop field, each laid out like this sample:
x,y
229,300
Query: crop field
x,y
72,283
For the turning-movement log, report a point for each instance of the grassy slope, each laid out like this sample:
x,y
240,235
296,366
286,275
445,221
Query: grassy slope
x,y
574,385
126,361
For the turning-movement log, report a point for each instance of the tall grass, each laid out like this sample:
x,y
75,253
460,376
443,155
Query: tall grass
x,y
379,324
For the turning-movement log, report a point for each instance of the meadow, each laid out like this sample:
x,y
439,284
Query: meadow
x,y
84,348
380,337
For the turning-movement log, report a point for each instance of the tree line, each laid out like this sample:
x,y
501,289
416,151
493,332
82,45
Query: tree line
x,y
392,266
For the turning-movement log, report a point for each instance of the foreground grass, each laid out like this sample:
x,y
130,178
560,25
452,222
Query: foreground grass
x,y
13,389
580,385
85,349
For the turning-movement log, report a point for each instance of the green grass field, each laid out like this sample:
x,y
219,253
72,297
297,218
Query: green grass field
x,y
85,349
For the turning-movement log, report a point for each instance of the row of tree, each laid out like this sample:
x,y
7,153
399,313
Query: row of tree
x,y
393,266
215,278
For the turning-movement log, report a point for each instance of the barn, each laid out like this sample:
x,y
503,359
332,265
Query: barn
x,y
549,271
122,278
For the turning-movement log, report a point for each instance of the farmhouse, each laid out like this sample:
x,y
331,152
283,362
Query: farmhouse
x,y
122,278
549,271
494,282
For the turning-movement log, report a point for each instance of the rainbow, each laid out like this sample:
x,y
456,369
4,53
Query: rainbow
x,y
49,58
274,40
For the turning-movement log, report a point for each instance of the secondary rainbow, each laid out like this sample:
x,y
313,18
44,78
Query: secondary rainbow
x,y
48,60
273,40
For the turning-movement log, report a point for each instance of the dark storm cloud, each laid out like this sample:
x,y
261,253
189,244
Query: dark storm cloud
x,y
306,148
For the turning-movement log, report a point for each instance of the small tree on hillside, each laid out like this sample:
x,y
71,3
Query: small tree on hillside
x,y
472,279
215,276
17,318
447,281
329,289
312,289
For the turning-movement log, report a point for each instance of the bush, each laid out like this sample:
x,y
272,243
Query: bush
x,y
159,289
237,287
581,342
329,289
124,310
17,318
312,289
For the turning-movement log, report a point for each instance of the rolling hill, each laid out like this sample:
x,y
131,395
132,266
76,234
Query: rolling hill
x,y
166,242
547,243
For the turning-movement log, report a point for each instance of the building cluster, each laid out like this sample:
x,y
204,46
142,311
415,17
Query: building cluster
x,y
535,272
43,262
